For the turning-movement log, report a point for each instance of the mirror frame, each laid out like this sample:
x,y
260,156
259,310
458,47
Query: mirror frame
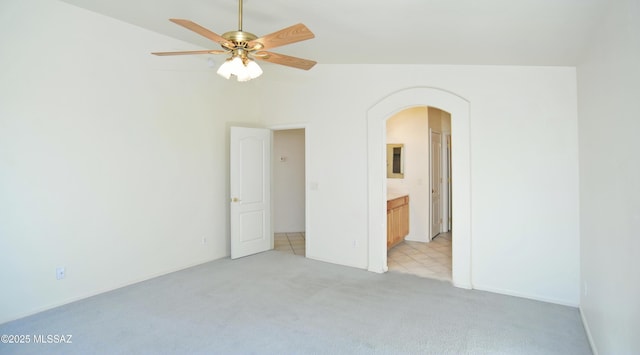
x,y
390,159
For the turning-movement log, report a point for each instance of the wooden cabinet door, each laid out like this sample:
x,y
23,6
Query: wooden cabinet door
x,y
403,220
396,235
397,220
389,229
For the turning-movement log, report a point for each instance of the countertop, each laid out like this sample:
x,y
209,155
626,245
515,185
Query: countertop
x,y
395,195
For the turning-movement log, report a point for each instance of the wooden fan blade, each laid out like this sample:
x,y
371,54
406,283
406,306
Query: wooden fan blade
x,y
295,33
201,31
206,51
285,60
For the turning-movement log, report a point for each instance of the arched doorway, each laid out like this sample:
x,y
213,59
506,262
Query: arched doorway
x,y
461,174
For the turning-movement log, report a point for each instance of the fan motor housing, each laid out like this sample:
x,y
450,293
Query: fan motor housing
x,y
239,36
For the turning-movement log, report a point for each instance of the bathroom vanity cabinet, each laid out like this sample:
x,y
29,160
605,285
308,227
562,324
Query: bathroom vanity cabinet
x,y
397,220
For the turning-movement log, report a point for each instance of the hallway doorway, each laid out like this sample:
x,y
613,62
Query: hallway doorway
x,y
289,201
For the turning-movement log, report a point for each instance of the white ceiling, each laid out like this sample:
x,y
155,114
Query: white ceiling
x,y
495,32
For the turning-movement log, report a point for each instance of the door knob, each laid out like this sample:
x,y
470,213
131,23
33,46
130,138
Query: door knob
x,y
235,199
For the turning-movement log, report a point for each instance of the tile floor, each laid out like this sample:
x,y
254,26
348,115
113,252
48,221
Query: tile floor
x,y
432,260
292,243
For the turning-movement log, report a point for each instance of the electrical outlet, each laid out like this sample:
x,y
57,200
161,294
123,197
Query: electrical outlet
x,y
204,240
59,273
355,243
586,290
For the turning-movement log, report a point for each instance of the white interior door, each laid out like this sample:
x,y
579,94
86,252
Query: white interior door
x,y
436,180
250,185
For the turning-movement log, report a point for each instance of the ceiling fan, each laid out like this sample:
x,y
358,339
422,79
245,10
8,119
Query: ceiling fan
x,y
245,46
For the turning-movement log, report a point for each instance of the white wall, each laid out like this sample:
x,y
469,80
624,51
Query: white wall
x,y
411,128
112,161
288,181
524,164
609,88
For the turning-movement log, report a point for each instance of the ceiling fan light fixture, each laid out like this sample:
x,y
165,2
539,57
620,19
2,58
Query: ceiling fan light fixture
x,y
231,66
244,69
254,69
242,77
225,69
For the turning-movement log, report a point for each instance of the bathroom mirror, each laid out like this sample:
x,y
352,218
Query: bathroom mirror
x,y
395,161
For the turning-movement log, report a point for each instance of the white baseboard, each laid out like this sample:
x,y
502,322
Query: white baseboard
x,y
588,331
420,238
466,286
525,295
335,262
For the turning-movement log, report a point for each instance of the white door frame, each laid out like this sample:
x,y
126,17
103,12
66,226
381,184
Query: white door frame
x,y
432,233
377,116
308,235
446,163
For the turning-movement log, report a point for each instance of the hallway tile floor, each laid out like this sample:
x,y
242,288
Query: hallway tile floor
x,y
292,243
432,260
